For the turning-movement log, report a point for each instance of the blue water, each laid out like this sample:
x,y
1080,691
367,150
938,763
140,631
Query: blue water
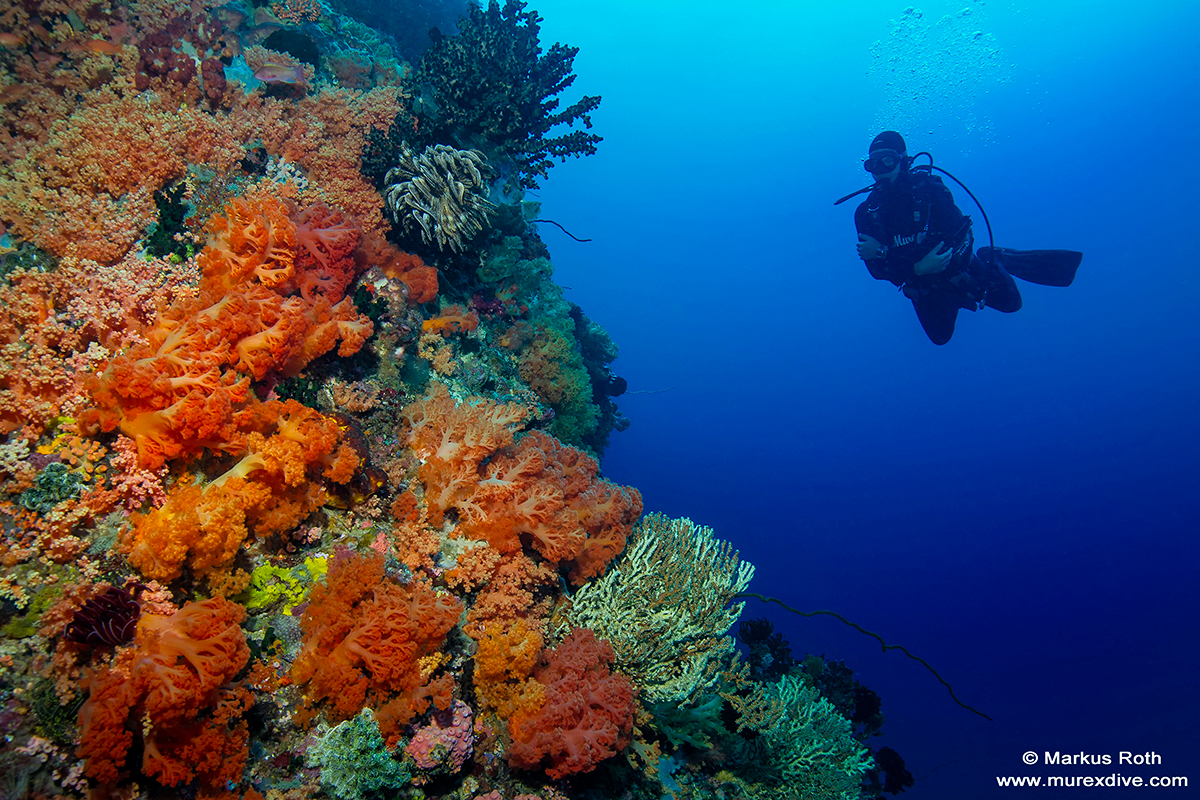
x,y
1018,507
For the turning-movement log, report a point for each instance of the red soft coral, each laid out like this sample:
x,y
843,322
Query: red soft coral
x,y
104,739
214,751
187,655
588,711
173,672
364,635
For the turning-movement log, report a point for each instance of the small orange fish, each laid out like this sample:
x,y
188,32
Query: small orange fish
x,y
47,61
8,39
272,72
101,46
13,93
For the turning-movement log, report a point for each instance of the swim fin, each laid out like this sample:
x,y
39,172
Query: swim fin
x,y
1045,267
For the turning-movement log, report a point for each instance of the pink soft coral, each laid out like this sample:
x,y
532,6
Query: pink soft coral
x,y
588,713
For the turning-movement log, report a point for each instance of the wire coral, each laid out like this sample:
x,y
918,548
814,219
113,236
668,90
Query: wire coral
x,y
441,193
492,80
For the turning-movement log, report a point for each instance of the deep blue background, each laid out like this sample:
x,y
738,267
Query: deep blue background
x,y
1019,507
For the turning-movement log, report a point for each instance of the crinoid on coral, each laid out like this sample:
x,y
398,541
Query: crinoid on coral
x,y
442,192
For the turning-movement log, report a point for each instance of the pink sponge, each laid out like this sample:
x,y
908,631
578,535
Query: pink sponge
x,y
445,744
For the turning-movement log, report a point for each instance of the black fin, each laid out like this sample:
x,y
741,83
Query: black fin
x,y
1045,267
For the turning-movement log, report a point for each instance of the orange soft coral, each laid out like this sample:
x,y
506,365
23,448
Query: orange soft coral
x,y
252,240
552,493
420,280
453,440
175,393
364,636
537,488
171,674
278,481
453,319
208,528
504,661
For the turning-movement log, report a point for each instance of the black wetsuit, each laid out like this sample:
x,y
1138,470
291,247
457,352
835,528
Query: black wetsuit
x,y
909,218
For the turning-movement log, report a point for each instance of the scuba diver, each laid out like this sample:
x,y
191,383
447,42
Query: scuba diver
x,y
911,233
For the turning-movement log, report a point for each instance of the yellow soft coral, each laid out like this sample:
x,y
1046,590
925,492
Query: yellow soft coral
x,y
206,528
504,662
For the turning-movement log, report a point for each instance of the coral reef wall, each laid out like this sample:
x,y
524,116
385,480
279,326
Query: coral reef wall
x,y
300,479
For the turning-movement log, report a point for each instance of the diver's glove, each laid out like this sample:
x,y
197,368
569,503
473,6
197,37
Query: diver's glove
x,y
935,260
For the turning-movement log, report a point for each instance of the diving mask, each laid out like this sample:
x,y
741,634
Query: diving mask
x,y
882,162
